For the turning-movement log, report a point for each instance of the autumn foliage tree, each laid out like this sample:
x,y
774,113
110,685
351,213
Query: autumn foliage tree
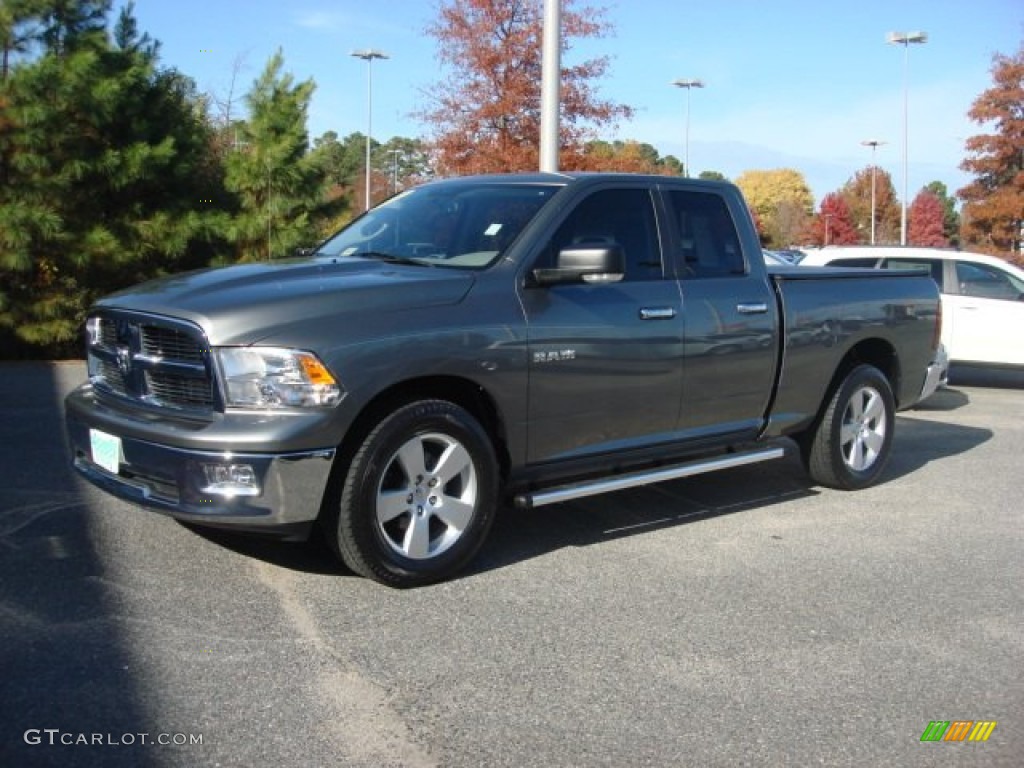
x,y
486,114
781,200
926,221
629,157
857,195
950,216
993,211
834,223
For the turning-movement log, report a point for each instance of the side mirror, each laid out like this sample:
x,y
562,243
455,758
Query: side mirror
x,y
604,263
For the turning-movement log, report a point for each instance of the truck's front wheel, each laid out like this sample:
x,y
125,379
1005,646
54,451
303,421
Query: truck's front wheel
x,y
419,496
850,445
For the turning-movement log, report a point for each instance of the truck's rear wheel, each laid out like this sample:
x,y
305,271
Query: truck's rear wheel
x,y
419,496
850,446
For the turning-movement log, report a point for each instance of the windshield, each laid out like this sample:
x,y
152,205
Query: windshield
x,y
457,225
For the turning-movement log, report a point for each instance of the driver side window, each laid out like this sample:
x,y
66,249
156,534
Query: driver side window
x,y
614,216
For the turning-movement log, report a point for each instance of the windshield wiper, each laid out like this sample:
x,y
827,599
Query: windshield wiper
x,y
390,258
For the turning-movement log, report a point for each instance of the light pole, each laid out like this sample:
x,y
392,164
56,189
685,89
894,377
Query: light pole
x,y
395,154
874,144
368,55
905,39
550,86
689,85
270,216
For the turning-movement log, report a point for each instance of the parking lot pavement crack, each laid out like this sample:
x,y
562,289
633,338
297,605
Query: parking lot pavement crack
x,y
18,517
359,716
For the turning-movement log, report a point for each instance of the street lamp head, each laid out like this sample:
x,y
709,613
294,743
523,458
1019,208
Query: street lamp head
x,y
873,143
369,54
905,38
688,83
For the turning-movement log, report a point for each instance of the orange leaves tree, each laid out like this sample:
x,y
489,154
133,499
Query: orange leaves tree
x,y
857,195
485,114
993,213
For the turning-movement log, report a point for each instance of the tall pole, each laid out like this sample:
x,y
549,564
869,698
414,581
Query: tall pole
x,y
368,55
874,144
905,39
394,169
550,86
689,85
270,219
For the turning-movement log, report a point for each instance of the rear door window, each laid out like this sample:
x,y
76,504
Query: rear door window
x,y
987,282
708,239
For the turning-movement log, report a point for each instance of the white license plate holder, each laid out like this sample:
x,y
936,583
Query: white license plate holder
x,y
106,450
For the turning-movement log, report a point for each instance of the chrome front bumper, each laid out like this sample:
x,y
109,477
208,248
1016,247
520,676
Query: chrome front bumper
x,y
284,498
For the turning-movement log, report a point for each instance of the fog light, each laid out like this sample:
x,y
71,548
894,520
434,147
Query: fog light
x,y
230,480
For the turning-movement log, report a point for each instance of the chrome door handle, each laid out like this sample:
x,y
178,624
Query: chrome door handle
x,y
752,308
657,313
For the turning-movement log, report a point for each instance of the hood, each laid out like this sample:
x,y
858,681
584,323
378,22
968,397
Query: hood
x,y
248,303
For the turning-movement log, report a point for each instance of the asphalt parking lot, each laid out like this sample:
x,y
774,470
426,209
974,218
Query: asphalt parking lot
x,y
744,618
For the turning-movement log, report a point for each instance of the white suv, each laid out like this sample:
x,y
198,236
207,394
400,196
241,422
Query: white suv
x,y
982,296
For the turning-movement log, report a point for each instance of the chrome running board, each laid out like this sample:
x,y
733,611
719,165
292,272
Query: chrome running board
x,y
634,479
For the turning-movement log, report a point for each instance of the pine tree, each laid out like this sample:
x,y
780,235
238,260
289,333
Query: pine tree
x,y
104,164
70,24
15,33
280,188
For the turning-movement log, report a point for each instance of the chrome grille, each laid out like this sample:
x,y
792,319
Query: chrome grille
x,y
154,361
112,376
170,388
170,343
108,332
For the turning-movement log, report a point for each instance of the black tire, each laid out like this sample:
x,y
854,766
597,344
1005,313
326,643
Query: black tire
x,y
848,449
419,496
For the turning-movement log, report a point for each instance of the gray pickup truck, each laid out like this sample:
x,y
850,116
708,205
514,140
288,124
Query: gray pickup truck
x,y
521,339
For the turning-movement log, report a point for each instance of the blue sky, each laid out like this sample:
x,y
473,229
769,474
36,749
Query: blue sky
x,y
789,83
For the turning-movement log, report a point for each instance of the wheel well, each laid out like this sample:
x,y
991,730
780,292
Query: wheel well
x,y
461,392
876,352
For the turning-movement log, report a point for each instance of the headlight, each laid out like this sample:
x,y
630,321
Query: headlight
x,y
268,377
